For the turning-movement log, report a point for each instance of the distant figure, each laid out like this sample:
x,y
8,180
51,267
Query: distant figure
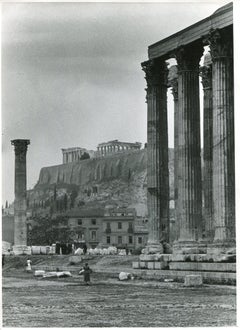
x,y
86,273
3,260
29,268
85,248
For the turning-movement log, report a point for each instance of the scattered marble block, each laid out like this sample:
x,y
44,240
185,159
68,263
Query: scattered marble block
x,y
75,259
193,280
21,250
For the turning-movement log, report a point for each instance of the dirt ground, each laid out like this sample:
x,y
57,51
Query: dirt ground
x,y
67,302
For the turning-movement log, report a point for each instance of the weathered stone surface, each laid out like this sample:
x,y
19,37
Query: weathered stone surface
x,y
193,280
142,264
147,257
203,266
135,264
21,249
75,259
150,265
160,265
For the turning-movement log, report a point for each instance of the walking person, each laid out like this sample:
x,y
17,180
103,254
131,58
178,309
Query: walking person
x,y
29,268
86,271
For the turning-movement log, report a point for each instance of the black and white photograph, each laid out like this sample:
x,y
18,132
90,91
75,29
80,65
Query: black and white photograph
x,y
119,150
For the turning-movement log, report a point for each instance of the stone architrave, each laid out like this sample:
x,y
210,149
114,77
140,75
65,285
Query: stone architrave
x,y
221,46
157,151
208,228
189,160
20,202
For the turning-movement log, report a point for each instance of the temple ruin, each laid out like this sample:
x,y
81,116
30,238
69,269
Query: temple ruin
x,y
204,225
115,146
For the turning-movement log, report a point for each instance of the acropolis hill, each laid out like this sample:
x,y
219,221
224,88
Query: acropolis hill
x,y
115,180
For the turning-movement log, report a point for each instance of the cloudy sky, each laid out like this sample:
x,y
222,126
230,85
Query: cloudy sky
x,y
71,74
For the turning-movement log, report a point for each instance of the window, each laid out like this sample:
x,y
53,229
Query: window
x,y
119,225
119,239
94,222
108,225
130,239
79,222
108,239
130,225
139,240
94,235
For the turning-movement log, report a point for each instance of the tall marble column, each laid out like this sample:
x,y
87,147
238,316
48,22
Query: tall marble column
x,y
157,151
20,201
173,82
208,227
221,46
189,161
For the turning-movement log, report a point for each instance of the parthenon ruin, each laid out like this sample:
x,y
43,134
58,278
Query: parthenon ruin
x,y
110,147
203,224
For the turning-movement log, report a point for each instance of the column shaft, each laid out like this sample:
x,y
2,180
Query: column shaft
x,y
157,151
189,162
208,226
221,45
20,204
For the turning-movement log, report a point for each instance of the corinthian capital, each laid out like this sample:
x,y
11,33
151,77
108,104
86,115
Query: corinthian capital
x,y
20,146
188,57
220,42
156,72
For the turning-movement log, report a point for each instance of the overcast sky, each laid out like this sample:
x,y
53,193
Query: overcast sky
x,y
71,74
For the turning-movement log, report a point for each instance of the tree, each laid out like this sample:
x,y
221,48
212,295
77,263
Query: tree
x,y
85,155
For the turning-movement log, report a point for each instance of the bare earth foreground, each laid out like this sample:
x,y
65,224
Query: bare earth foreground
x,y
30,302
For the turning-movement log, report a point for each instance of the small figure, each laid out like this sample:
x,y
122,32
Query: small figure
x,y
3,260
86,273
29,268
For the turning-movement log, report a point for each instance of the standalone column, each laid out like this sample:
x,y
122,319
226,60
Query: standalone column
x,y
20,202
173,82
189,162
157,151
221,45
208,228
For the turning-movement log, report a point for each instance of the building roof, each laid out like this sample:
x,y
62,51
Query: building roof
x,y
86,213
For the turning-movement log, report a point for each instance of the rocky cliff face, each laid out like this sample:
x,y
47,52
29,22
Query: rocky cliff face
x,y
116,180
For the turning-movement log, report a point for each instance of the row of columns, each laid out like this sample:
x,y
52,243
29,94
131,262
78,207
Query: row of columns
x,y
72,156
113,148
217,223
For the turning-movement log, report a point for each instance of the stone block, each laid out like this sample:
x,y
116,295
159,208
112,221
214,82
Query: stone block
x,y
75,259
142,264
150,265
147,257
135,264
178,257
160,265
193,280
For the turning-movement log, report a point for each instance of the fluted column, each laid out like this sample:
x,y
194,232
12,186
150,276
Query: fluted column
x,y
157,151
221,46
20,201
173,82
189,206
208,226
